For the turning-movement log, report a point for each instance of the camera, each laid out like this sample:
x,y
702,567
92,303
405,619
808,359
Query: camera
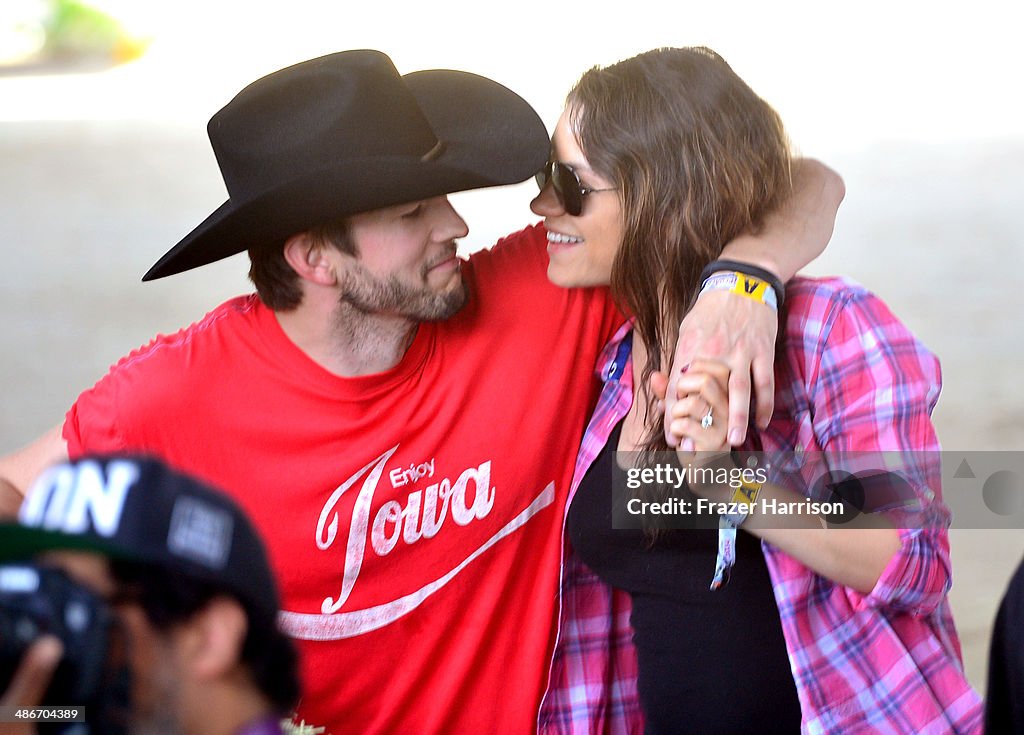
x,y
36,600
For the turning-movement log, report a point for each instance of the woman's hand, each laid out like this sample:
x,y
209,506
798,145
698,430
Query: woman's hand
x,y
700,417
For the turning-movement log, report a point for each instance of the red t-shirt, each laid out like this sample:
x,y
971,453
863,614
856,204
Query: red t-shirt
x,y
413,517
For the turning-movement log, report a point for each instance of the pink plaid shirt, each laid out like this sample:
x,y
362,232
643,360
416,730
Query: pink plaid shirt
x,y
851,378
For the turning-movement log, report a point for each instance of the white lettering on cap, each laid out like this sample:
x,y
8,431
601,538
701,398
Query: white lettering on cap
x,y
200,532
71,498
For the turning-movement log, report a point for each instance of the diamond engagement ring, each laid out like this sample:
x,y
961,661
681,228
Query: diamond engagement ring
x,y
707,422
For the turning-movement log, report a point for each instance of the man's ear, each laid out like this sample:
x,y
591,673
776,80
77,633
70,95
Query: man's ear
x,y
308,257
213,638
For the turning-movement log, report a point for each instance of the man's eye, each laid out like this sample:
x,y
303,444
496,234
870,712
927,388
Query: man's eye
x,y
414,212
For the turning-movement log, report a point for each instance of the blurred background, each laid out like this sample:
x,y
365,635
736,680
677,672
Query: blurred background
x,y
105,164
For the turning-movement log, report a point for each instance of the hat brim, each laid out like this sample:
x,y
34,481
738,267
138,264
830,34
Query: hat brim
x,y
21,543
490,137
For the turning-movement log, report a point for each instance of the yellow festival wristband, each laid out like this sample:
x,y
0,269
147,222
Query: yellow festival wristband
x,y
743,285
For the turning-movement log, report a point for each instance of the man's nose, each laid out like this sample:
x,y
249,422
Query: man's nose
x,y
453,226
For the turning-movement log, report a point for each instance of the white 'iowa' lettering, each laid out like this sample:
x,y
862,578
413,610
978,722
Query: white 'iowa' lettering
x,y
329,627
391,518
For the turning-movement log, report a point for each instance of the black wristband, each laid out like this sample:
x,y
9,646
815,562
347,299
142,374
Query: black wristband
x,y
748,270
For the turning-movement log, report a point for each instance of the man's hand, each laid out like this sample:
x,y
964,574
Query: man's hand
x,y
31,681
10,500
19,469
742,335
739,332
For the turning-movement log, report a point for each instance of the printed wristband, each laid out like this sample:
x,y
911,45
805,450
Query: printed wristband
x,y
726,554
746,269
744,285
746,494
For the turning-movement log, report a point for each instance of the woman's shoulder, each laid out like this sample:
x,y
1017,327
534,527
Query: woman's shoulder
x,y
815,307
807,295
837,320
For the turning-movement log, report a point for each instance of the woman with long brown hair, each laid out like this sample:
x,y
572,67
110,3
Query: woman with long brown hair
x,y
657,162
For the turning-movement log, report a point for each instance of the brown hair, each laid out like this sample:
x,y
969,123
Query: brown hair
x,y
276,282
698,158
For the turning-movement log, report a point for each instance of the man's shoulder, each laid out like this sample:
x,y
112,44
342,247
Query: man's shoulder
x,y
532,236
509,284
512,272
239,312
525,248
163,381
232,316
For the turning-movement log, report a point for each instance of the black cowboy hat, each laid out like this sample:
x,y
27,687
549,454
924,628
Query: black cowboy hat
x,y
345,133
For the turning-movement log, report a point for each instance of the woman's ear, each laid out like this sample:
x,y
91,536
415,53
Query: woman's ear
x,y
308,257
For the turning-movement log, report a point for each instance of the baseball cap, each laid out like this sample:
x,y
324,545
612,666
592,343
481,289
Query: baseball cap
x,y
138,509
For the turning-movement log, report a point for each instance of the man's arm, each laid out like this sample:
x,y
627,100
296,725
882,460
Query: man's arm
x,y
740,332
797,232
20,469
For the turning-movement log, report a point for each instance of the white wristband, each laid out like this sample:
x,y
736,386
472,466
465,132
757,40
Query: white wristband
x,y
738,283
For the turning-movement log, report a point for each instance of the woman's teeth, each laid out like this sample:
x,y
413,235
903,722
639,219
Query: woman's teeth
x,y
563,239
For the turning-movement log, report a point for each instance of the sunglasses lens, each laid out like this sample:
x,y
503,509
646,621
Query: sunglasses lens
x,y
567,187
543,176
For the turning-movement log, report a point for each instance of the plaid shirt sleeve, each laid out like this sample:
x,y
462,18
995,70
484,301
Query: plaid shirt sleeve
x,y
874,391
592,679
888,661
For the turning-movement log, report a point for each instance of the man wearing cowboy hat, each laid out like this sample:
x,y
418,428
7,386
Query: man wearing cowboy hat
x,y
399,423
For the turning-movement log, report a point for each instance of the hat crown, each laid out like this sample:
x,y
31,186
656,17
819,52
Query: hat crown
x,y
345,133
315,114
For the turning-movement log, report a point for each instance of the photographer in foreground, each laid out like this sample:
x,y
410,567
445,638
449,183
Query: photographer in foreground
x,y
154,593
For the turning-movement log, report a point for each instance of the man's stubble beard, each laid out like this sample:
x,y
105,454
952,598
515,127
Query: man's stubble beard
x,y
365,293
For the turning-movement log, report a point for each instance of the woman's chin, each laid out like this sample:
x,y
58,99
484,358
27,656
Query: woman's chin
x,y
562,276
573,278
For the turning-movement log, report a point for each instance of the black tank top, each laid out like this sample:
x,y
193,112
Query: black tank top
x,y
710,662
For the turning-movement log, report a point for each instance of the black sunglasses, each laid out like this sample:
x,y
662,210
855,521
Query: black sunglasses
x,y
566,183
